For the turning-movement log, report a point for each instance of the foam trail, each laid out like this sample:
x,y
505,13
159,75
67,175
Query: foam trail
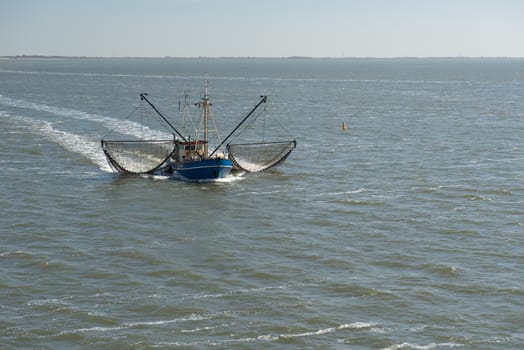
x,y
82,145
231,178
124,126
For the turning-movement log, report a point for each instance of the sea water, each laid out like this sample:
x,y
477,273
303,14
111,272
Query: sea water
x,y
404,231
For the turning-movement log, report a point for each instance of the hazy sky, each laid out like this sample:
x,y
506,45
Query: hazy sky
x,y
263,28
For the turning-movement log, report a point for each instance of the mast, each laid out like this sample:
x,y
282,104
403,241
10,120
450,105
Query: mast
x,y
205,104
206,117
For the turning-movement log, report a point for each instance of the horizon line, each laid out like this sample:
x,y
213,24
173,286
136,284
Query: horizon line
x,y
252,57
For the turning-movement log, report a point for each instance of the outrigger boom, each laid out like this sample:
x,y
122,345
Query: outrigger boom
x,y
144,98
262,100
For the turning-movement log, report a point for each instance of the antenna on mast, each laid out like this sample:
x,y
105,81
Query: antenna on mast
x,y
206,84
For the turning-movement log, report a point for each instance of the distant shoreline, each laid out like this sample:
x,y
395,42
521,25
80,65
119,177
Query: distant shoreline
x,y
254,58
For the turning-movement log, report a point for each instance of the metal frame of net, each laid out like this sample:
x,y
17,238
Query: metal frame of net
x,y
137,156
259,156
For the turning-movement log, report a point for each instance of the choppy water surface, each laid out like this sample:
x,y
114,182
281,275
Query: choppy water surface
x,y
403,232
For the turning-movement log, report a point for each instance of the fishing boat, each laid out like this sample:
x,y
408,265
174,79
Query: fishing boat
x,y
192,159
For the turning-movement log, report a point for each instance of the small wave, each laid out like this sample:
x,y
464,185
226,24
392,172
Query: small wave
x,y
407,346
263,337
307,334
363,202
207,328
468,193
192,317
17,253
234,292
356,325
441,269
54,301
334,194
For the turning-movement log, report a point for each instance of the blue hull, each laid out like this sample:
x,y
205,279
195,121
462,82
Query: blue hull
x,y
204,170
